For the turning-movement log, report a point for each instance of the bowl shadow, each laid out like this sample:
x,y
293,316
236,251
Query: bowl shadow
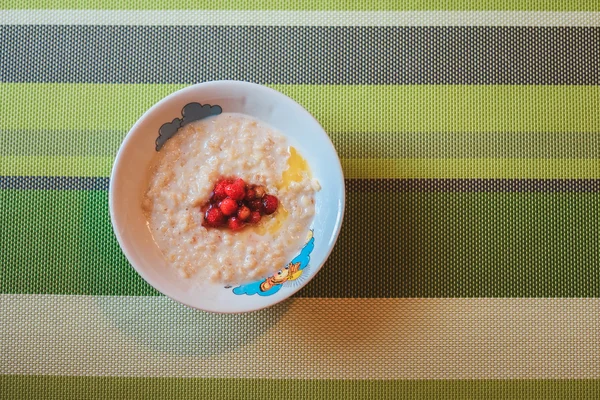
x,y
166,326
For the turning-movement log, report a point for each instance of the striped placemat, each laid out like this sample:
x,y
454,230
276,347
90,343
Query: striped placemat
x,y
469,261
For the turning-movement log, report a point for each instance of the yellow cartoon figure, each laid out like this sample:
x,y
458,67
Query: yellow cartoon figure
x,y
289,273
272,284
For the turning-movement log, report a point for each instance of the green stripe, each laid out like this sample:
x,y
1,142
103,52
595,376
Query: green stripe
x,y
75,143
385,108
70,246
89,388
436,245
533,5
349,145
353,168
465,145
55,166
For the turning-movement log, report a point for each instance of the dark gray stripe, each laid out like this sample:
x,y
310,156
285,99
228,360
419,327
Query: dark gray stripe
x,y
352,185
382,145
301,55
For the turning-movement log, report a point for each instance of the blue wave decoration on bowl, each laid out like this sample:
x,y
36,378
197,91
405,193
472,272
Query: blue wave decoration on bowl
x,y
190,112
292,272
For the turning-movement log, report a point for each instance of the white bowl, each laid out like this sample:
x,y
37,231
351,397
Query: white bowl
x,y
128,179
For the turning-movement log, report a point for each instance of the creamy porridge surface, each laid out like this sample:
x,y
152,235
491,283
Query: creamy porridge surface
x,y
181,181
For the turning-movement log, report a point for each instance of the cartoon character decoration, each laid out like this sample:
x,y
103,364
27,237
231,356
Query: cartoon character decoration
x,y
292,272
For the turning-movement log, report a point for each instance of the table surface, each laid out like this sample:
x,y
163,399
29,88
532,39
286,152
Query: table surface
x,y
468,263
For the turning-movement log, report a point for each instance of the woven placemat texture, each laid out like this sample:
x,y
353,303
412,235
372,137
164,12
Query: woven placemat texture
x,y
468,265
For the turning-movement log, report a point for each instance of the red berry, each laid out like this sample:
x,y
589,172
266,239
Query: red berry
x,y
235,224
255,204
243,213
240,182
250,194
254,217
214,217
219,192
236,190
228,206
270,204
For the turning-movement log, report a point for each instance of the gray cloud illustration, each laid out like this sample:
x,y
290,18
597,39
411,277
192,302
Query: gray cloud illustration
x,y
166,132
195,111
190,112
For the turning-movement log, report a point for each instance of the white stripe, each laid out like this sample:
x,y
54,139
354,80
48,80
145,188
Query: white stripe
x,y
299,18
303,338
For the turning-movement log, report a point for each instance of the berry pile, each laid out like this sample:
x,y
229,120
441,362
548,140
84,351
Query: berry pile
x,y
234,204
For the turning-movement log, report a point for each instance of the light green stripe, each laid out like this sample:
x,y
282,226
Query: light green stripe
x,y
385,108
353,168
77,106
533,5
76,388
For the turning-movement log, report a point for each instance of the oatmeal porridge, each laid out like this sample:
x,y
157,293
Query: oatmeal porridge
x,y
185,177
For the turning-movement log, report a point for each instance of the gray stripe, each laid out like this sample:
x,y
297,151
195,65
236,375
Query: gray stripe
x,y
352,185
382,145
301,55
